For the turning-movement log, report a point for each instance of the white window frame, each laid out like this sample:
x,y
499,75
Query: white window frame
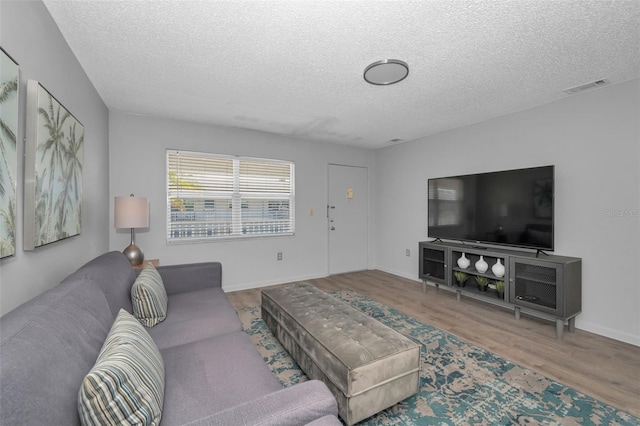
x,y
235,189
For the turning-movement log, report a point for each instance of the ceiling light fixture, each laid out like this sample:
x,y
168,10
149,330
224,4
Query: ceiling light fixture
x,y
386,71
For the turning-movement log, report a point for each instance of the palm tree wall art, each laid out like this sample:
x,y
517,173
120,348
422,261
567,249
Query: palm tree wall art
x,y
53,170
9,77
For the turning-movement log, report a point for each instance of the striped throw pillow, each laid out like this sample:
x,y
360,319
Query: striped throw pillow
x,y
126,384
148,297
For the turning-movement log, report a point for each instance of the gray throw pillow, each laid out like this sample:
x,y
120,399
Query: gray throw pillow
x,y
149,297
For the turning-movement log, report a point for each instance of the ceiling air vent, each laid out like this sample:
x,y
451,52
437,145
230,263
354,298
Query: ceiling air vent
x,y
587,86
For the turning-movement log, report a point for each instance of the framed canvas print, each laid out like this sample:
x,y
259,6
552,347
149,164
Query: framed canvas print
x,y
9,78
53,170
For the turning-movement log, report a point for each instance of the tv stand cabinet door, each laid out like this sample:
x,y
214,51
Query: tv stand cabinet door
x,y
434,263
537,285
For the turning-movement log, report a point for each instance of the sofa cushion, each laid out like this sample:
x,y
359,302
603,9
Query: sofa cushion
x,y
307,403
195,315
148,297
191,276
210,375
113,273
126,385
48,345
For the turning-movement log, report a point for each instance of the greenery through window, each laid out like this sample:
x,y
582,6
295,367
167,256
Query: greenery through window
x,y
213,196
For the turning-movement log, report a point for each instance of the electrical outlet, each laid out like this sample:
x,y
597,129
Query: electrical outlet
x,y
279,255
408,253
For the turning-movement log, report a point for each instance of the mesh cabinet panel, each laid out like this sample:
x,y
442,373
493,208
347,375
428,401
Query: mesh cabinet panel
x,y
536,284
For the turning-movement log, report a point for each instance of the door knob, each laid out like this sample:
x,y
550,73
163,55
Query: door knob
x,y
333,228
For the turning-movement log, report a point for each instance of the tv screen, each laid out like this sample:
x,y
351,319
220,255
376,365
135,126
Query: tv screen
x,y
511,207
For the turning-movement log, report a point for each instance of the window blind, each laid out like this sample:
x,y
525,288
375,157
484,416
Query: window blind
x,y
213,196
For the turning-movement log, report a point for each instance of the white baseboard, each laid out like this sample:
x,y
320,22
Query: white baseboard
x,y
228,288
607,332
400,274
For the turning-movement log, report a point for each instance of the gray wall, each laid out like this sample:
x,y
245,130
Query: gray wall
x,y
593,139
138,155
30,36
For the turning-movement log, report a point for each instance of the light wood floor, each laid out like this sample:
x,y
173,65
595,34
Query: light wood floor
x,y
603,368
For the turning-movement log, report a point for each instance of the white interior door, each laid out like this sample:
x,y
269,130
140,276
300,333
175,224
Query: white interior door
x,y
348,219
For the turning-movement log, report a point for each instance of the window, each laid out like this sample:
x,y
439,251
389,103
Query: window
x,y
218,196
445,202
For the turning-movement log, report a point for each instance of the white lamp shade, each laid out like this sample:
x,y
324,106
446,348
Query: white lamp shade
x,y
131,212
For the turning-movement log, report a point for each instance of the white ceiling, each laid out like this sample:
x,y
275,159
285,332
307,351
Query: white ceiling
x,y
295,67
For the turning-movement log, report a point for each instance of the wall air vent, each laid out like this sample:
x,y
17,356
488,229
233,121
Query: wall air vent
x,y
587,86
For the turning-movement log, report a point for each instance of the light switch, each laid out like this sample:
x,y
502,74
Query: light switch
x,y
350,193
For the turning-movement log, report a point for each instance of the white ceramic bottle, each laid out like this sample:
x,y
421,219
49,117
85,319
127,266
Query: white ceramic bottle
x,y
481,265
463,262
498,269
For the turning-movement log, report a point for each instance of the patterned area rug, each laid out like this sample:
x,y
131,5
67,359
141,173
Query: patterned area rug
x,y
461,384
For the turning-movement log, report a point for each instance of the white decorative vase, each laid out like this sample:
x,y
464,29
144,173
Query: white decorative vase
x,y
463,262
481,265
498,269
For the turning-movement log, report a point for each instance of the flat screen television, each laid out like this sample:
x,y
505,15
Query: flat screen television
x,y
510,207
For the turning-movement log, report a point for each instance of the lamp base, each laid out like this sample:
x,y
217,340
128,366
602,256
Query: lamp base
x,y
134,254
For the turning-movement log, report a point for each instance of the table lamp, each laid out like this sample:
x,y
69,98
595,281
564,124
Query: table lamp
x,y
132,212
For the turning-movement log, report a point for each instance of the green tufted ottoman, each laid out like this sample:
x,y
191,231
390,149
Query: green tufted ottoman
x,y
367,365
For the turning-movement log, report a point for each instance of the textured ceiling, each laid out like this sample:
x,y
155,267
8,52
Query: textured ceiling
x,y
295,67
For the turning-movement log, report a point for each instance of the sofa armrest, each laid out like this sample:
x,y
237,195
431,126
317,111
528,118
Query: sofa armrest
x,y
191,276
293,406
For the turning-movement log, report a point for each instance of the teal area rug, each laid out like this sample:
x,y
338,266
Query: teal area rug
x,y
461,384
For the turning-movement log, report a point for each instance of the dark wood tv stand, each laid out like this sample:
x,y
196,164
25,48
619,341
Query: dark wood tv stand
x,y
542,285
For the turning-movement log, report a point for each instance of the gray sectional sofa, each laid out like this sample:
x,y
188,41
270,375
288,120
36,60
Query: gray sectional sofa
x,y
213,373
